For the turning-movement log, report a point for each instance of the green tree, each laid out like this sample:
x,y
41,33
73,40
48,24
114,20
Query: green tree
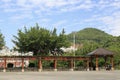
x,y
87,47
35,39
114,45
89,34
58,41
39,40
2,42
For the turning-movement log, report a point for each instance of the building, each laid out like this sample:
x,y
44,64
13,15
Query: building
x,y
15,62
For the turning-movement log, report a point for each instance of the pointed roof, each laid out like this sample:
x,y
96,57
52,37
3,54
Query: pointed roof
x,y
100,52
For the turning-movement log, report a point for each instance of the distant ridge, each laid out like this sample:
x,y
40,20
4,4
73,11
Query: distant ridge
x,y
89,34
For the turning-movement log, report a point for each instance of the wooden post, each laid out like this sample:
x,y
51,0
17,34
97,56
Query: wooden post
x,y
87,65
71,65
15,62
40,65
55,65
105,61
96,63
91,65
112,62
22,64
4,70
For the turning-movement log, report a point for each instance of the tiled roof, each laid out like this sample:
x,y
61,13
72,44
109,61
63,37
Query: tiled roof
x,y
100,51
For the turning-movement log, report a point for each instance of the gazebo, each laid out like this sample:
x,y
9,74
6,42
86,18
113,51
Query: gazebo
x,y
101,52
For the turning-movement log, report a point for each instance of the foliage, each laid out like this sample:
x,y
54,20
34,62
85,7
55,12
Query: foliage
x,y
114,45
63,64
89,34
39,40
2,42
86,48
42,42
91,39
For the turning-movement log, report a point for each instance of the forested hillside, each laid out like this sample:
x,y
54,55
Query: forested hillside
x,y
90,39
89,34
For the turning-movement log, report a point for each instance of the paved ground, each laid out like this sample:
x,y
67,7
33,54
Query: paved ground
x,y
63,75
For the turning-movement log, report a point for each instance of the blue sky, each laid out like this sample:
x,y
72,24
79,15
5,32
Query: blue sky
x,y
72,15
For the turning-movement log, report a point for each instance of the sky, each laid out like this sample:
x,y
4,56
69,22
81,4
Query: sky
x,y
72,15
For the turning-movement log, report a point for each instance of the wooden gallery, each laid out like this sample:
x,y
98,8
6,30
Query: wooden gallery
x,y
22,61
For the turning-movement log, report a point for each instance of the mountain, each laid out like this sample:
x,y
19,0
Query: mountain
x,y
89,34
90,39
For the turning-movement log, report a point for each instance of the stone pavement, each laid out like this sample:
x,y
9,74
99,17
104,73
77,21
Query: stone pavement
x,y
61,75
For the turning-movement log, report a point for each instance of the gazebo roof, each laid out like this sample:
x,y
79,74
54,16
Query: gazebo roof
x,y
100,52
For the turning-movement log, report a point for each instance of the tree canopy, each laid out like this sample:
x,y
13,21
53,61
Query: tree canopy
x,y
39,40
2,42
89,34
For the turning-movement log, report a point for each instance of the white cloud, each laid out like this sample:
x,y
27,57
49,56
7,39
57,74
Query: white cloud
x,y
116,4
44,5
45,20
109,23
22,16
6,1
61,5
113,22
52,6
60,23
1,21
28,8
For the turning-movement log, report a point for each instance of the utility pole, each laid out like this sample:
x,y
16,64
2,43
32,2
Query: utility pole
x,y
74,46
